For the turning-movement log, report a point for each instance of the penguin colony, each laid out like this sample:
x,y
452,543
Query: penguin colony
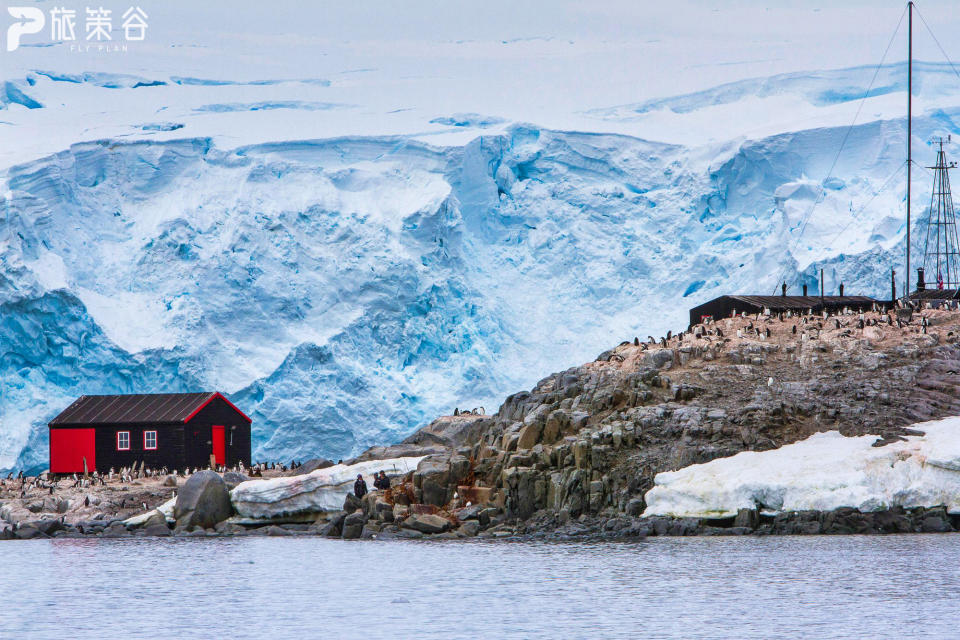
x,y
907,318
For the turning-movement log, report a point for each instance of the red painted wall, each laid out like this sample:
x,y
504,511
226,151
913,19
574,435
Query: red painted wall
x,y
68,447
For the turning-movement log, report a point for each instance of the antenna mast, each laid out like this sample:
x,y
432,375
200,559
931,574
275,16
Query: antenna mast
x,y
942,228
909,132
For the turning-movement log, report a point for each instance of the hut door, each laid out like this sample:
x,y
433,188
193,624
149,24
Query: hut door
x,y
219,450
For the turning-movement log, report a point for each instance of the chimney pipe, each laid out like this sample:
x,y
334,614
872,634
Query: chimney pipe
x,y
783,290
921,284
804,291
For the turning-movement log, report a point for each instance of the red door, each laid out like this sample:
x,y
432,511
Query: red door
x,y
69,447
219,450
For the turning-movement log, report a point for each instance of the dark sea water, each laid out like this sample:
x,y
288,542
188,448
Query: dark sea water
x,y
779,587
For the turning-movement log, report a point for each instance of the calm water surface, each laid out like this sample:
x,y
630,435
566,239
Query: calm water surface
x,y
793,587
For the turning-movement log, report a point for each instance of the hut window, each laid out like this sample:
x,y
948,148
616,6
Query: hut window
x,y
123,440
149,439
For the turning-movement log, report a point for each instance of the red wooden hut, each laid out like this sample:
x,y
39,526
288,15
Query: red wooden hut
x,y
172,430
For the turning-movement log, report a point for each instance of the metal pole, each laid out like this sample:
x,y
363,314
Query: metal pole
x,y
909,131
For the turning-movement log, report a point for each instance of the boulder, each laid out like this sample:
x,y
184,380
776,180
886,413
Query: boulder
x,y
170,481
351,503
426,523
529,435
157,529
459,469
274,530
469,528
27,532
352,531
333,528
749,518
355,518
202,502
431,478
154,518
470,513
353,525
635,507
935,523
116,530
47,527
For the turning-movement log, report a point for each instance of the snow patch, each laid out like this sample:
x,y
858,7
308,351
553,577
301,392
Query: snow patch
x,y
824,472
316,492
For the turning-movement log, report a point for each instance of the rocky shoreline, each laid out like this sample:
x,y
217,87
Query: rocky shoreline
x,y
492,525
575,456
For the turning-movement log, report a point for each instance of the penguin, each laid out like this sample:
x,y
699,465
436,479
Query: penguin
x,y
86,501
456,412
794,329
768,332
636,341
669,334
663,342
836,323
719,332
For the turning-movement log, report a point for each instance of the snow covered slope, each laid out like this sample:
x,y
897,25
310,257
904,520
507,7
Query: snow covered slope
x,y
824,472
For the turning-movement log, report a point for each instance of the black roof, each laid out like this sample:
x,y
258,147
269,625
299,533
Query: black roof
x,y
152,408
934,294
797,302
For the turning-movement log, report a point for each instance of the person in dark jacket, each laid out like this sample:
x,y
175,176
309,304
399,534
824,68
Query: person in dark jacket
x,y
381,481
359,487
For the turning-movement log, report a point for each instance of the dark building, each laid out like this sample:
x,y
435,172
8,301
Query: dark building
x,y
936,296
173,430
725,306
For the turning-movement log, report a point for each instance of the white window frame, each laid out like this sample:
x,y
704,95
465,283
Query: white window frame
x,y
123,433
146,447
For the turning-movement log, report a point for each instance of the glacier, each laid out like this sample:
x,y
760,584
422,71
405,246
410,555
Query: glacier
x,y
825,472
345,291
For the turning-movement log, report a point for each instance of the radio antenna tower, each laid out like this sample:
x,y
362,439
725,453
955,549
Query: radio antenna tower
x,y
940,257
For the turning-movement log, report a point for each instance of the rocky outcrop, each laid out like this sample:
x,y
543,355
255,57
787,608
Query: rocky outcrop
x,y
588,442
